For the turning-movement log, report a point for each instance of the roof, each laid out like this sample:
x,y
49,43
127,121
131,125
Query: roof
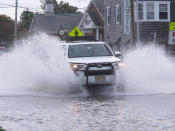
x,y
95,11
100,5
51,23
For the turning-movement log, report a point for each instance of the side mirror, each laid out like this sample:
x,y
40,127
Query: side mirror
x,y
117,53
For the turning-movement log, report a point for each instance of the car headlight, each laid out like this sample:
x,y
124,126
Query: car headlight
x,y
75,66
119,64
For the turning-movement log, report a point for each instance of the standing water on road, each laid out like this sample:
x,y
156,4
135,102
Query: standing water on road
x,y
35,73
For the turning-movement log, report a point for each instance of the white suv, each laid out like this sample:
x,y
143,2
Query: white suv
x,y
94,62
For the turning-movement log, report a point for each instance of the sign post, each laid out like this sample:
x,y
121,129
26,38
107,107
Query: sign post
x,y
172,26
172,34
127,17
171,42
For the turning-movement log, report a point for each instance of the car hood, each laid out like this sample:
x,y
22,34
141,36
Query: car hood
x,y
89,60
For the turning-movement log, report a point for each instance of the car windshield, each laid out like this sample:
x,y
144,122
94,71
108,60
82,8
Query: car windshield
x,y
89,50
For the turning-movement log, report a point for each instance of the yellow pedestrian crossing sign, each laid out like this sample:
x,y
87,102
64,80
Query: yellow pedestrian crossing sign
x,y
172,26
76,32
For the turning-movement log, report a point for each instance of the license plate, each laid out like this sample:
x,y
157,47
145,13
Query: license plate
x,y
100,78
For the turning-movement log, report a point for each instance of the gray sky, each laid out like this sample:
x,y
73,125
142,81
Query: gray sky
x,y
33,5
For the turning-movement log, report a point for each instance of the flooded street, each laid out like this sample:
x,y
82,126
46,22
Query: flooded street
x,y
87,65
88,113
40,92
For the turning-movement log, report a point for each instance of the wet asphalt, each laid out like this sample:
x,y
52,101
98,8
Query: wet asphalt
x,y
88,113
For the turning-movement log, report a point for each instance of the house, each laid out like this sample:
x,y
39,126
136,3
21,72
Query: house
x,y
153,18
117,28
92,22
128,21
51,23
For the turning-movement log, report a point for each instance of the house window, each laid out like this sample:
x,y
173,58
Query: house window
x,y
150,11
163,11
140,11
118,14
108,15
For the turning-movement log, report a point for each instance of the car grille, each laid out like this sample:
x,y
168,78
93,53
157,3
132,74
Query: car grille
x,y
99,69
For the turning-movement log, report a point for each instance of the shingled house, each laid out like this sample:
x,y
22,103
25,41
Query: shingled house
x,y
127,21
51,23
117,27
153,18
92,22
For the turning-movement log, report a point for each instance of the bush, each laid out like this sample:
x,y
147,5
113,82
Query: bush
x,y
1,129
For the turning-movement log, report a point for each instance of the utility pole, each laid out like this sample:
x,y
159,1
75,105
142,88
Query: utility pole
x,y
138,26
16,23
155,37
133,25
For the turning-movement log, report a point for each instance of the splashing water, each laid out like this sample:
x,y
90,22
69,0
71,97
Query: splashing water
x,y
37,64
148,71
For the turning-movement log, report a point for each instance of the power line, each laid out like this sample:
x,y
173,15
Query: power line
x,y
5,7
25,7
29,5
22,7
19,6
9,5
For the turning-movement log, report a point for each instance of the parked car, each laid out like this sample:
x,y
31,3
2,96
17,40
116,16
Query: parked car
x,y
93,62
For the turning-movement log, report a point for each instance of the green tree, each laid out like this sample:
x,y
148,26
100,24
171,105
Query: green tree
x,y
62,7
1,129
6,29
26,19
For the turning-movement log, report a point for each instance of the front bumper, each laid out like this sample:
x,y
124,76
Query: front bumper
x,y
95,76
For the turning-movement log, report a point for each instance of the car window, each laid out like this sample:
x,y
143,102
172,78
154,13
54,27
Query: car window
x,y
89,50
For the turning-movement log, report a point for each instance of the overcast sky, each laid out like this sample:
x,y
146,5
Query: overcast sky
x,y
32,5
